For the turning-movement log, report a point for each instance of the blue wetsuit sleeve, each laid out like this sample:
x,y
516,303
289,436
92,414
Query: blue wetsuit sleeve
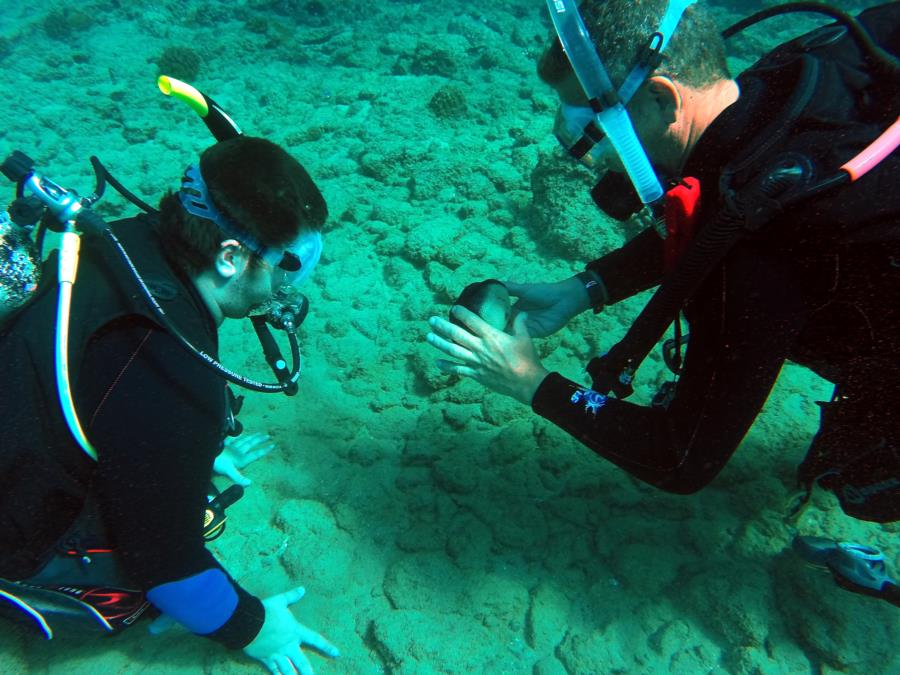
x,y
201,603
209,604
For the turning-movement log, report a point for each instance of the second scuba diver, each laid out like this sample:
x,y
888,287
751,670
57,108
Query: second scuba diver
x,y
776,230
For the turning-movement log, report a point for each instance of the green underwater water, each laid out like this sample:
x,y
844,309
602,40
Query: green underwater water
x,y
437,528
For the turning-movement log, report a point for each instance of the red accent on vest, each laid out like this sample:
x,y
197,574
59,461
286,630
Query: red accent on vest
x,y
682,207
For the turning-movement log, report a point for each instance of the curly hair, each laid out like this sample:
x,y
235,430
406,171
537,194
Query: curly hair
x,y
619,29
258,186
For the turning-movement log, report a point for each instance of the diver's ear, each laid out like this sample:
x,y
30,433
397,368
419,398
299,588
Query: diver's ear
x,y
665,97
230,259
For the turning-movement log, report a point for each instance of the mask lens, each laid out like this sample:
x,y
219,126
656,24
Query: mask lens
x,y
307,248
279,277
577,132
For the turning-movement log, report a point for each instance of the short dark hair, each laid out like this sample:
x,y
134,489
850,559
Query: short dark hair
x,y
254,183
619,29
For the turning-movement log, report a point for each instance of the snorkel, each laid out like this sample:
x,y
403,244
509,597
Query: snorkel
x,y
610,120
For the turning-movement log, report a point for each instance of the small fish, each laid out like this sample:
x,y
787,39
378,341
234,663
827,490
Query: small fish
x,y
489,299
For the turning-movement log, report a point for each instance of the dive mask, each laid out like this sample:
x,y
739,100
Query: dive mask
x,y
576,130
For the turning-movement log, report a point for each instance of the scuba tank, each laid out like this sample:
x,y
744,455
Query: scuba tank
x,y
20,239
20,266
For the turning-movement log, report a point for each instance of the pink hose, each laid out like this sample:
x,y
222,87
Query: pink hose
x,y
880,148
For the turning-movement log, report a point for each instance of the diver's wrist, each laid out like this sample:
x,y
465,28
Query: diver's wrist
x,y
532,384
595,295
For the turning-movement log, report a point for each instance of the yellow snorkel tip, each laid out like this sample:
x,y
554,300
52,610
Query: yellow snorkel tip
x,y
217,120
185,93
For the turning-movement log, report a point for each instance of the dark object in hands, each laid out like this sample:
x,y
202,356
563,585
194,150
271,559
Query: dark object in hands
x,y
489,299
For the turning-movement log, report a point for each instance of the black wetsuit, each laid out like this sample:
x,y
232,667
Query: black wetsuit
x,y
154,413
819,285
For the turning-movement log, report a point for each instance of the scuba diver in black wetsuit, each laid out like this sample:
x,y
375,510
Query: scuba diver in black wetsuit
x,y
116,407
775,229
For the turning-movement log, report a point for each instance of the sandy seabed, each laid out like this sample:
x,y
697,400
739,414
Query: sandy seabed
x,y
437,528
